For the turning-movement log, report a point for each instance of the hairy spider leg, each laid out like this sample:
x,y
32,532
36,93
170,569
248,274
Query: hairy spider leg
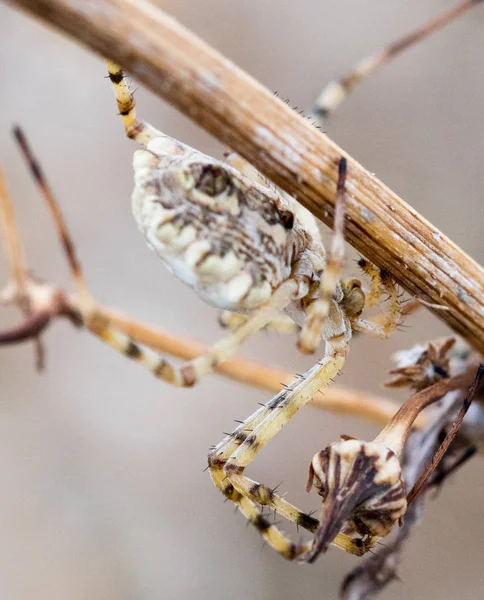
x,y
230,458
192,371
137,130
372,291
244,492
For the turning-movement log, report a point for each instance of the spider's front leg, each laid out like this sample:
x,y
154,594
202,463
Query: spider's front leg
x,y
335,92
349,294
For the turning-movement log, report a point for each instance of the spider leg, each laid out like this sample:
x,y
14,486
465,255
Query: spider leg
x,y
372,292
140,131
289,402
190,373
281,324
271,533
264,496
318,311
391,318
229,459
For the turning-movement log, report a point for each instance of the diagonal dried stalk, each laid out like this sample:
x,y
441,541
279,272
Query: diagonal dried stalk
x,y
211,90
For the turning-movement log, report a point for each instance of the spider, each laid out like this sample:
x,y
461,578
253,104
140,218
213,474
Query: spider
x,y
245,246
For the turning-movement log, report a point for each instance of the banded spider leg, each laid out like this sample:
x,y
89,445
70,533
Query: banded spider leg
x,y
229,459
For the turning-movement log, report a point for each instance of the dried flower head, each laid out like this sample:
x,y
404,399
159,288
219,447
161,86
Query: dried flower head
x,y
361,483
422,365
362,489
434,441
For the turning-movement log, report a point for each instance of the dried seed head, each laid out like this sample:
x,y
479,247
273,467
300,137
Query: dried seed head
x,y
362,489
422,365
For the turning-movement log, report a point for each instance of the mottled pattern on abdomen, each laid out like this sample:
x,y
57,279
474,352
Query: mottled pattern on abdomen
x,y
231,240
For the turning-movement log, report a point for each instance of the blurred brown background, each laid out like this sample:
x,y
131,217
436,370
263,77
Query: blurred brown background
x,y
102,489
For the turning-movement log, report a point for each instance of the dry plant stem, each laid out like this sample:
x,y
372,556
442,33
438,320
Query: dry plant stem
x,y
332,96
13,245
247,117
419,485
396,431
33,326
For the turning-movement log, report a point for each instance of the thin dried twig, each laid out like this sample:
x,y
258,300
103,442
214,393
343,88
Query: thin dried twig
x,y
417,488
13,245
171,61
18,275
336,91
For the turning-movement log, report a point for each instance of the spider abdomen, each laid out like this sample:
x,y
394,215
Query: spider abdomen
x,y
230,239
